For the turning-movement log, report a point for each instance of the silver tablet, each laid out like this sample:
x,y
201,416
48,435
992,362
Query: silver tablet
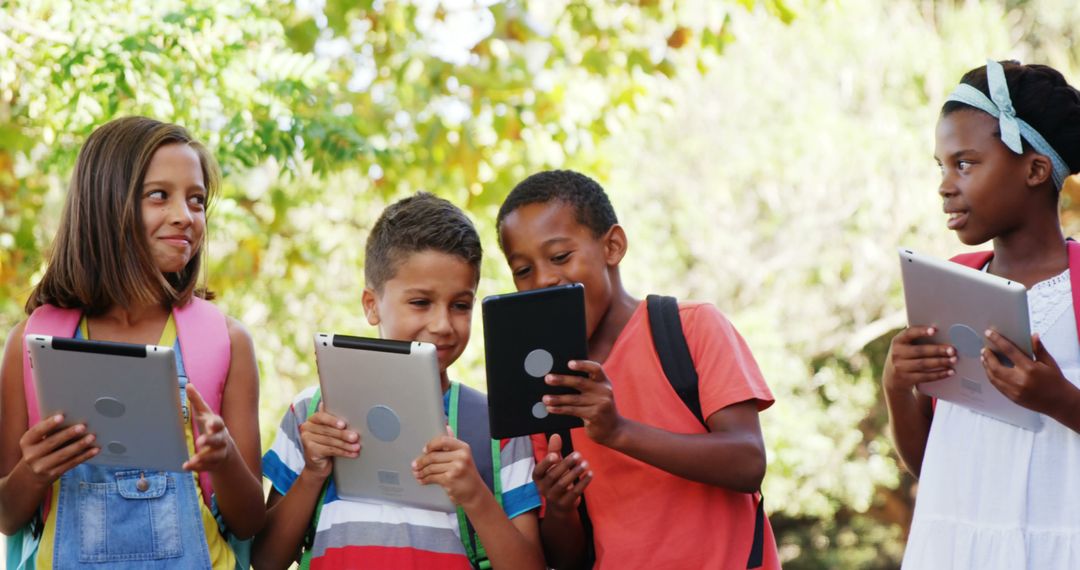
x,y
127,394
962,303
389,392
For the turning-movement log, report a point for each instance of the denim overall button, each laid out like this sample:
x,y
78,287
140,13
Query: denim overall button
x,y
140,486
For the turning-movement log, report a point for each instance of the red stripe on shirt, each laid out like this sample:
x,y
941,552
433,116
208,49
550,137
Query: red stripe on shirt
x,y
388,557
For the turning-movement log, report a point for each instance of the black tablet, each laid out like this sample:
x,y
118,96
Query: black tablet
x,y
526,336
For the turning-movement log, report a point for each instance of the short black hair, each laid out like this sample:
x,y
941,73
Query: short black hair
x,y
418,223
1041,97
591,204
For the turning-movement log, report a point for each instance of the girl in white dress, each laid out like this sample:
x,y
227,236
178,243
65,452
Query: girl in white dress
x,y
991,495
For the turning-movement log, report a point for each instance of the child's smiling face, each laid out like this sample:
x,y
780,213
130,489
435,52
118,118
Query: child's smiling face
x,y
546,245
429,299
173,206
984,185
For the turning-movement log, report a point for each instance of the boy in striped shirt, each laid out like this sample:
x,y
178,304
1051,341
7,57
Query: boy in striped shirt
x,y
422,266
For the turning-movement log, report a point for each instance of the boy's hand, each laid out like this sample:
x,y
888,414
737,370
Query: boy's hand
x,y
324,436
595,404
214,443
50,450
910,364
448,462
1036,384
561,481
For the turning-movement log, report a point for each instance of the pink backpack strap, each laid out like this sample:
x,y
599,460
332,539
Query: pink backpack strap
x,y
204,343
974,260
1074,278
51,321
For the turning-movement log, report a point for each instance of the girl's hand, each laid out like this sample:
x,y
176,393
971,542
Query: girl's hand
x,y
324,436
595,404
214,444
910,364
1036,384
561,481
50,450
448,462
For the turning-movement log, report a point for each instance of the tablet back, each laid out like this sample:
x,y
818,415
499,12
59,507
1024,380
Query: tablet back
x,y
389,392
962,303
527,335
127,394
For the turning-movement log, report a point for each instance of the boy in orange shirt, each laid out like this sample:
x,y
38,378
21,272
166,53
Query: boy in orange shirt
x,y
663,490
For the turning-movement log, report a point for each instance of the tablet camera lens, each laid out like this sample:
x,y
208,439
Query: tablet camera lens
x,y
383,423
968,343
538,363
109,407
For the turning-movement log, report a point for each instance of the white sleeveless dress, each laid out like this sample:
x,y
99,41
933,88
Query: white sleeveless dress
x,y
994,496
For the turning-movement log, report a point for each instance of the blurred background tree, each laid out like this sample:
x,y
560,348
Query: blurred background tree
x,y
765,156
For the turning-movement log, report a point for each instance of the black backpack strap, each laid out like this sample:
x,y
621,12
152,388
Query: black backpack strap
x,y
757,548
678,364
671,347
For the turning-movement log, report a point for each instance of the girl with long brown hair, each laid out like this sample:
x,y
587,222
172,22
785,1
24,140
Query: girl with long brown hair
x,y
125,267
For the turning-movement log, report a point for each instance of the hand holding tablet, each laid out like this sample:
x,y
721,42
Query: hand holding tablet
x,y
127,395
592,400
959,304
528,336
388,392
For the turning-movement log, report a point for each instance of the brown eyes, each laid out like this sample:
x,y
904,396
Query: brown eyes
x,y
161,195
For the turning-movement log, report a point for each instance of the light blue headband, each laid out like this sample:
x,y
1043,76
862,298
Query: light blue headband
x,y
999,105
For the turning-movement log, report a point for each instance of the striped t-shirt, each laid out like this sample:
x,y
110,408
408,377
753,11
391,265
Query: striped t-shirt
x,y
353,534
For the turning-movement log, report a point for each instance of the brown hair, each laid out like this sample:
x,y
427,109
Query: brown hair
x,y
100,257
421,222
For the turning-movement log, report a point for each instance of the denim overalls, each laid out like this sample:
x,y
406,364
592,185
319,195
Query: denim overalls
x,y
130,518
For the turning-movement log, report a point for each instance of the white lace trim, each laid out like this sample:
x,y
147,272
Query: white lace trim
x,y
1048,300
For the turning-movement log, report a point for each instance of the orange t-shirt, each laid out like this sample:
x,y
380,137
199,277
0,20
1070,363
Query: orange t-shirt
x,y
644,517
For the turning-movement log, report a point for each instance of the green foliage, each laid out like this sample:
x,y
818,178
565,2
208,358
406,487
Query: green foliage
x,y
778,186
754,161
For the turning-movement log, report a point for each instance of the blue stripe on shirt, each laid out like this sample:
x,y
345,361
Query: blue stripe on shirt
x,y
521,499
279,474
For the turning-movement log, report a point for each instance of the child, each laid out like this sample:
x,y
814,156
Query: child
x,y
422,267
992,495
668,492
125,266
